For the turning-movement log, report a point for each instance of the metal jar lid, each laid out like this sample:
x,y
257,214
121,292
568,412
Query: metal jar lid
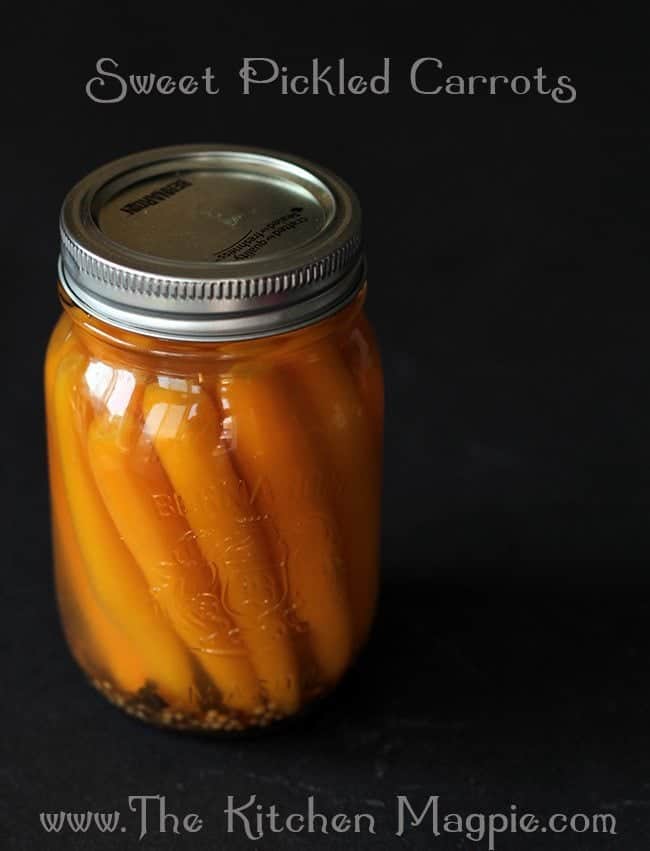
x,y
209,242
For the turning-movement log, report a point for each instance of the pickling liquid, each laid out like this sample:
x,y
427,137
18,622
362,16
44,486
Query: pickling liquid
x,y
215,514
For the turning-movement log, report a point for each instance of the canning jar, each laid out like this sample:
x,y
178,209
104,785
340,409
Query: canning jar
x,y
214,405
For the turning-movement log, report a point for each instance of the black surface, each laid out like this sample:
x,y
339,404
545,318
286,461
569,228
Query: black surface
x,y
508,286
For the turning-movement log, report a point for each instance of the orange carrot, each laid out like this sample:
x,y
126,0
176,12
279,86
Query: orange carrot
x,y
114,576
140,500
184,426
275,455
339,423
109,650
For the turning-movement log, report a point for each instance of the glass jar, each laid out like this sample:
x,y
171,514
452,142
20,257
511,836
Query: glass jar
x,y
215,404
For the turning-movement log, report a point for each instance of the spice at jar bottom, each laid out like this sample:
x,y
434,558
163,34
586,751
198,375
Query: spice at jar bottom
x,y
215,405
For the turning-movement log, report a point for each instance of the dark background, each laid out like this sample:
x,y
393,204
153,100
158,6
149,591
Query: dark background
x,y
508,280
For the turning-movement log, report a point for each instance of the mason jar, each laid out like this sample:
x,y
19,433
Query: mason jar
x,y
214,406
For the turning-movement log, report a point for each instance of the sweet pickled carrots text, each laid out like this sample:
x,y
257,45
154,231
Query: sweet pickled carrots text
x,y
426,75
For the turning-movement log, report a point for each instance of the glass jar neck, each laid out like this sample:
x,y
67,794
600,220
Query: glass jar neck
x,y
107,340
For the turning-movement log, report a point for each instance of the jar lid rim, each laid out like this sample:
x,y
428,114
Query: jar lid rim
x,y
211,242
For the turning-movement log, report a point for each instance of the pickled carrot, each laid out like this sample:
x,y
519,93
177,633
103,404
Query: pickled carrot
x,y
361,354
184,425
340,425
275,456
140,501
109,648
114,576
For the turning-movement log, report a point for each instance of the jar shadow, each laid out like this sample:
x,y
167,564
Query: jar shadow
x,y
448,651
